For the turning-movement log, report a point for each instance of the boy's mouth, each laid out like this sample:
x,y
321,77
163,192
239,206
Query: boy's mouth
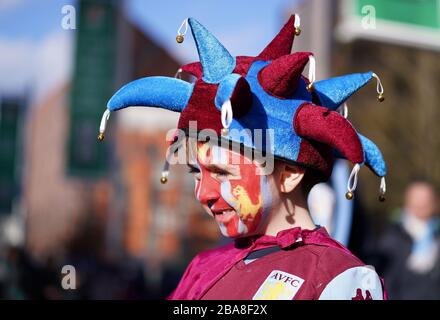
x,y
223,216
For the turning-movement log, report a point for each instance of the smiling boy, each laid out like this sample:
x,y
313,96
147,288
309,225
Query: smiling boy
x,y
278,252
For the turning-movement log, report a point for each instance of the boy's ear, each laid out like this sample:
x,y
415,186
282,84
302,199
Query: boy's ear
x,y
290,177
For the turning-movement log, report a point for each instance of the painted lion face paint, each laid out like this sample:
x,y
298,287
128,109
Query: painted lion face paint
x,y
232,189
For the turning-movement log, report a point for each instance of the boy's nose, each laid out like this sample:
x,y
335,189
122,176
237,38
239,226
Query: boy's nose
x,y
209,198
209,192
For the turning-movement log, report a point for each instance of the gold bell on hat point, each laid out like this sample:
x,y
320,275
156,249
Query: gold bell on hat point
x,y
297,31
380,97
349,195
179,38
310,87
224,131
101,136
163,179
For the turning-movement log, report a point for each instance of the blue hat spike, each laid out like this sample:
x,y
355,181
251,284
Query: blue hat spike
x,y
335,91
216,61
160,92
375,161
373,157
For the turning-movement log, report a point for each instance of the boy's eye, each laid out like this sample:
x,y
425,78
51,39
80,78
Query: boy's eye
x,y
222,174
193,170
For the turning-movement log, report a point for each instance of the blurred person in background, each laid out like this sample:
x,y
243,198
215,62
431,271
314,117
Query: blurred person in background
x,y
409,249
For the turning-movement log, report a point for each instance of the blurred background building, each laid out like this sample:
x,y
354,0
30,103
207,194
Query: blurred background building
x,y
67,199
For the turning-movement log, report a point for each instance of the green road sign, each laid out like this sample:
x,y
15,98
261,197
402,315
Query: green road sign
x,y
424,13
406,22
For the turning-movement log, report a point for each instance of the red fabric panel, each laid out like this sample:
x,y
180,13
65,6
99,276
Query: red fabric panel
x,y
243,64
329,127
281,77
194,68
317,155
201,108
282,43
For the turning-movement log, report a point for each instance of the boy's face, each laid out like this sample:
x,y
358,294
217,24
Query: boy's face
x,y
232,189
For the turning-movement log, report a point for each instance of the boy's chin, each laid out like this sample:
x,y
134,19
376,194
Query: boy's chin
x,y
237,234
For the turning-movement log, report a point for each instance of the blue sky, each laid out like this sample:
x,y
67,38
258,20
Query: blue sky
x,y
36,51
30,19
33,19
243,26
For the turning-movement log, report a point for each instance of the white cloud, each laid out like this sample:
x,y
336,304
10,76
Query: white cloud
x,y
53,62
16,61
36,66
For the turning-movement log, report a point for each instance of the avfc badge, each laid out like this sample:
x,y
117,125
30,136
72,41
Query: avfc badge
x,y
279,285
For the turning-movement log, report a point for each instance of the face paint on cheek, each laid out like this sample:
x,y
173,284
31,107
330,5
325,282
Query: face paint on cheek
x,y
233,228
263,207
252,204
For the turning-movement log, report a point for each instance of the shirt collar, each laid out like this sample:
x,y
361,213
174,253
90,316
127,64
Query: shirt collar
x,y
283,239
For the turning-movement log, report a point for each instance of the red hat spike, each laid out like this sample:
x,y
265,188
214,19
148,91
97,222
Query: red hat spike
x,y
329,127
282,43
194,68
281,77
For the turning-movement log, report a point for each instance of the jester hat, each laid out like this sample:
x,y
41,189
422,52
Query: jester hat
x,y
236,96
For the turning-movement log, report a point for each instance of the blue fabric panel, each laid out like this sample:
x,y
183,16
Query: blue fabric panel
x,y
373,157
216,61
225,89
335,91
163,92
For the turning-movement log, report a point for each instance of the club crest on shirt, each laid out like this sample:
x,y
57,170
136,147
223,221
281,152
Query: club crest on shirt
x,y
279,285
